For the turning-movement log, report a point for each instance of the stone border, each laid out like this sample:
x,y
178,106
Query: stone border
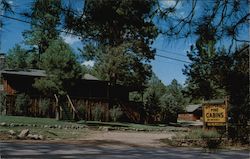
x,y
3,124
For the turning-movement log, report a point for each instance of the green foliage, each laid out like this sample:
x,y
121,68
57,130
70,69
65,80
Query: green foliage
x,y
45,15
119,64
44,105
115,113
228,19
22,104
97,113
17,58
3,97
119,42
81,108
152,97
199,72
151,104
61,68
172,102
232,74
201,134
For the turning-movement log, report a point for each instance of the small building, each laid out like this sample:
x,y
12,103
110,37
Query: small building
x,y
192,113
89,92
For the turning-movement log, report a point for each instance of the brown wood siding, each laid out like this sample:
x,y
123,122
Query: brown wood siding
x,y
188,117
7,88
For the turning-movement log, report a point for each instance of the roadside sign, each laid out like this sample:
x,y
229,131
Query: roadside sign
x,y
215,114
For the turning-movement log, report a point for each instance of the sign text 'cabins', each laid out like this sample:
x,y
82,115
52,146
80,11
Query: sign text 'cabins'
x,y
215,114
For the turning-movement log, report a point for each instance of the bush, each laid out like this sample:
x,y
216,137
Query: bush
x,y
81,108
22,103
98,113
211,138
115,113
3,97
44,105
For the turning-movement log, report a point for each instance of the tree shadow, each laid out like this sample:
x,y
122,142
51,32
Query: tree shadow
x,y
105,149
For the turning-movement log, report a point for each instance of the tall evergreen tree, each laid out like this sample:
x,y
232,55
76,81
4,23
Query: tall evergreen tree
x,y
232,74
17,58
172,102
45,18
199,73
61,67
152,95
122,31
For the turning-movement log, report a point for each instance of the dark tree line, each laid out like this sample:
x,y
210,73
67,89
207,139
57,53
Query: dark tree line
x,y
118,36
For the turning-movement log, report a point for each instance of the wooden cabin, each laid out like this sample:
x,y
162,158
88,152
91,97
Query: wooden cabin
x,y
88,91
192,113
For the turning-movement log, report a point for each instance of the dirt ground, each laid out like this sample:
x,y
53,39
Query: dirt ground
x,y
151,139
111,138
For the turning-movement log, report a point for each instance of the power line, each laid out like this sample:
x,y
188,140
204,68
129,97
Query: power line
x,y
171,58
171,52
27,22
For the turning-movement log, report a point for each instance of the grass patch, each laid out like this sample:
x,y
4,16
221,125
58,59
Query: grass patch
x,y
38,126
32,120
210,139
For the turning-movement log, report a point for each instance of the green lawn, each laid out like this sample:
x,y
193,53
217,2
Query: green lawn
x,y
36,126
32,120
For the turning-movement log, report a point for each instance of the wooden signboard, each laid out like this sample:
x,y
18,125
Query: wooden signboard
x,y
215,114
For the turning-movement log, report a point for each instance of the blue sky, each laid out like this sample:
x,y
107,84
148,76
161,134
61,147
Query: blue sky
x,y
165,69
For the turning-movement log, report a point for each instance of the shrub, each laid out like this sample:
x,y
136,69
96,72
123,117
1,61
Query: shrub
x,y
44,105
22,103
98,113
210,138
81,108
115,113
2,102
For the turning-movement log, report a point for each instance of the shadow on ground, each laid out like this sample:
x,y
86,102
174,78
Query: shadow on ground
x,y
106,149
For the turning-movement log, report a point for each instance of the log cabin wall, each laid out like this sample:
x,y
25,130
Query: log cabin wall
x,y
88,97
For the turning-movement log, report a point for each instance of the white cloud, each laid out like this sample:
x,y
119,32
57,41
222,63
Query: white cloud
x,y
169,3
89,63
10,2
70,39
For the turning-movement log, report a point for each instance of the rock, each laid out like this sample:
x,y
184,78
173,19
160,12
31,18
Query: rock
x,y
184,144
3,124
12,125
12,132
40,137
23,133
103,128
59,127
46,126
33,136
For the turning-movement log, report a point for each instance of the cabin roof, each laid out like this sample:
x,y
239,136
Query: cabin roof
x,y
28,72
193,107
38,73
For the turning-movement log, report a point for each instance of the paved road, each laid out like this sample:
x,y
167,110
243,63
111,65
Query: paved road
x,y
107,150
